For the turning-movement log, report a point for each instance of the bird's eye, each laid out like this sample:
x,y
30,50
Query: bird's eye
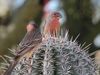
x,y
57,15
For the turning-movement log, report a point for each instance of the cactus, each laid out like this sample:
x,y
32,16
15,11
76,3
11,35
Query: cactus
x,y
57,56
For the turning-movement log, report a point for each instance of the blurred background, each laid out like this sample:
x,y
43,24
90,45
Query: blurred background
x,y
79,17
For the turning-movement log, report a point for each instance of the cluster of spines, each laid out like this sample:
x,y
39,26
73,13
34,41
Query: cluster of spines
x,y
58,56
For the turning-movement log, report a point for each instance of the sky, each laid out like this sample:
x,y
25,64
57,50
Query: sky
x,y
18,3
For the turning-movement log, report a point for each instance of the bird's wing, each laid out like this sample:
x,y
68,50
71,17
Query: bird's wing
x,y
30,40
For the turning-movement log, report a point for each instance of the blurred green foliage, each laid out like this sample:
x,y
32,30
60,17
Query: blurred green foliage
x,y
79,21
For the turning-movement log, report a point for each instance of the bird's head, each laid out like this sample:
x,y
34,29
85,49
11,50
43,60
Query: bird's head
x,y
33,23
31,26
56,15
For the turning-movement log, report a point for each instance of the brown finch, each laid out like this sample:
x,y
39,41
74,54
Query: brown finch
x,y
28,44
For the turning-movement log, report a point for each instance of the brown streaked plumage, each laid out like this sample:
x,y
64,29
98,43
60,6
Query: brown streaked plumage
x,y
28,44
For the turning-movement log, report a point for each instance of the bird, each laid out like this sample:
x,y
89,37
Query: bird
x,y
28,44
52,24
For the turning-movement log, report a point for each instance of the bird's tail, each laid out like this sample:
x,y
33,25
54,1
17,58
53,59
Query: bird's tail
x,y
11,67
